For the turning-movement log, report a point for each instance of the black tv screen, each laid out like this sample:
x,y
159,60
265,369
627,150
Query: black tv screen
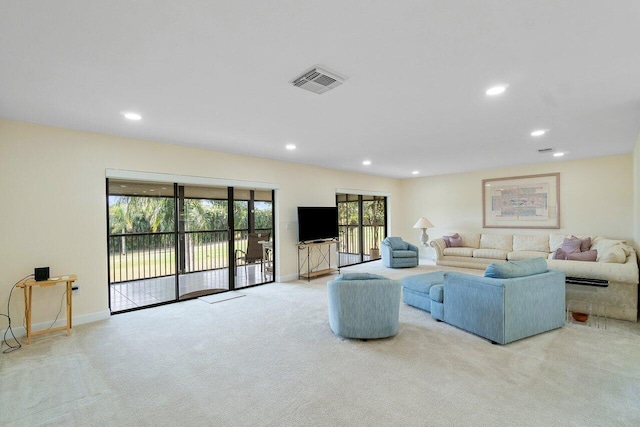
x,y
317,223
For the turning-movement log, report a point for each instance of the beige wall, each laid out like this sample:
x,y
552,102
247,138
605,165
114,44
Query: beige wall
x,y
53,207
596,198
636,195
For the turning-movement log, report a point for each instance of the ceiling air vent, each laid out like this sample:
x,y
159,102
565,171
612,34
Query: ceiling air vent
x,y
545,150
318,80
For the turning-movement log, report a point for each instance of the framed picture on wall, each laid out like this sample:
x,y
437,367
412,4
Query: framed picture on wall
x,y
530,201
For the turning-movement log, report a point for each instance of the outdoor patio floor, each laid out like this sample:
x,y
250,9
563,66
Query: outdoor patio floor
x,y
140,293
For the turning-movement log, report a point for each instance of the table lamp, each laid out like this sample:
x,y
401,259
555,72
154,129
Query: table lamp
x,y
423,223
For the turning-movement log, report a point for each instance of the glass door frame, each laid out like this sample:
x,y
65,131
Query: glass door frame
x,y
179,232
361,199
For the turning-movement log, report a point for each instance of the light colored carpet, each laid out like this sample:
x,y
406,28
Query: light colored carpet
x,y
270,359
212,299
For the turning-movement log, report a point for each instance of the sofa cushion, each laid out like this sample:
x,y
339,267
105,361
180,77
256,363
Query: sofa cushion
x,y
471,240
436,293
360,276
458,252
497,241
423,282
397,243
511,269
531,243
490,253
520,255
404,254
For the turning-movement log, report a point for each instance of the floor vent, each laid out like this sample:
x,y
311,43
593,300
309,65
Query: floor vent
x,y
318,80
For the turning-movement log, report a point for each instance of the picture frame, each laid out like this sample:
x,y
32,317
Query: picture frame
x,y
528,201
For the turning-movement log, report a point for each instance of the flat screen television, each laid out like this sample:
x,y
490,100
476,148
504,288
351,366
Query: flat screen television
x,y
317,223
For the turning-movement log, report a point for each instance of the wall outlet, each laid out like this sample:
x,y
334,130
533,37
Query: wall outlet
x,y
75,289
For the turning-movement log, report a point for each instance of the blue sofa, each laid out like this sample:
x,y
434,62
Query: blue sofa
x,y
396,253
363,305
514,300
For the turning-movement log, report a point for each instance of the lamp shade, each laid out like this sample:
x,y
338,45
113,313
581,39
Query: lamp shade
x,y
423,223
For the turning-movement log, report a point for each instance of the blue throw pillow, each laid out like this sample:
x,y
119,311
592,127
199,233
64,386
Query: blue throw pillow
x,y
397,244
359,276
511,269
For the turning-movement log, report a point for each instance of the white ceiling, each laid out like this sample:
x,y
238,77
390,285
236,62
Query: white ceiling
x,y
215,74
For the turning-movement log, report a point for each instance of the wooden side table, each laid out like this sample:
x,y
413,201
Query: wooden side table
x,y
28,284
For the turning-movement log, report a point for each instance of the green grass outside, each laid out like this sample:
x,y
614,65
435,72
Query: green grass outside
x,y
144,264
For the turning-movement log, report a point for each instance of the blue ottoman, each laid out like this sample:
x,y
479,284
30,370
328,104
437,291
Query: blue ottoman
x,y
425,291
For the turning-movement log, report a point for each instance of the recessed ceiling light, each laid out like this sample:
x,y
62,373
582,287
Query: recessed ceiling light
x,y
538,132
366,162
560,154
132,116
496,90
415,172
290,147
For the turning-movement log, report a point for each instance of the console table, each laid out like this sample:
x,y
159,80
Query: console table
x,y
28,284
314,259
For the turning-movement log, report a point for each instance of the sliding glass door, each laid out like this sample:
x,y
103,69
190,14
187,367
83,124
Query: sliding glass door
x,y
362,224
253,237
171,242
203,240
141,243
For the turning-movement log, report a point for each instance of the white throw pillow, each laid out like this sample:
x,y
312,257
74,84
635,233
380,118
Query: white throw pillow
x,y
615,254
556,240
610,250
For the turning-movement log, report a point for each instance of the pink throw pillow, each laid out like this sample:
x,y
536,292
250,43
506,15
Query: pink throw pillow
x,y
560,254
447,239
456,242
583,256
571,245
585,244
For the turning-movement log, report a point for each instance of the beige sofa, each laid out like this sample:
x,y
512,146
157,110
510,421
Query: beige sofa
x,y
616,266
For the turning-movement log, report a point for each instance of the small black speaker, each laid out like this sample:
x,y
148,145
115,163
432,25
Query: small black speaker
x,y
41,274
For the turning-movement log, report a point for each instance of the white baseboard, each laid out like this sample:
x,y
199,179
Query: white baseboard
x,y
287,278
21,331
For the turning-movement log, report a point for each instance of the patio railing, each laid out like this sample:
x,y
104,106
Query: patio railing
x,y
138,256
350,238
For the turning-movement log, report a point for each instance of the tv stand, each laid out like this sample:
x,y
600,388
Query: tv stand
x,y
314,259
